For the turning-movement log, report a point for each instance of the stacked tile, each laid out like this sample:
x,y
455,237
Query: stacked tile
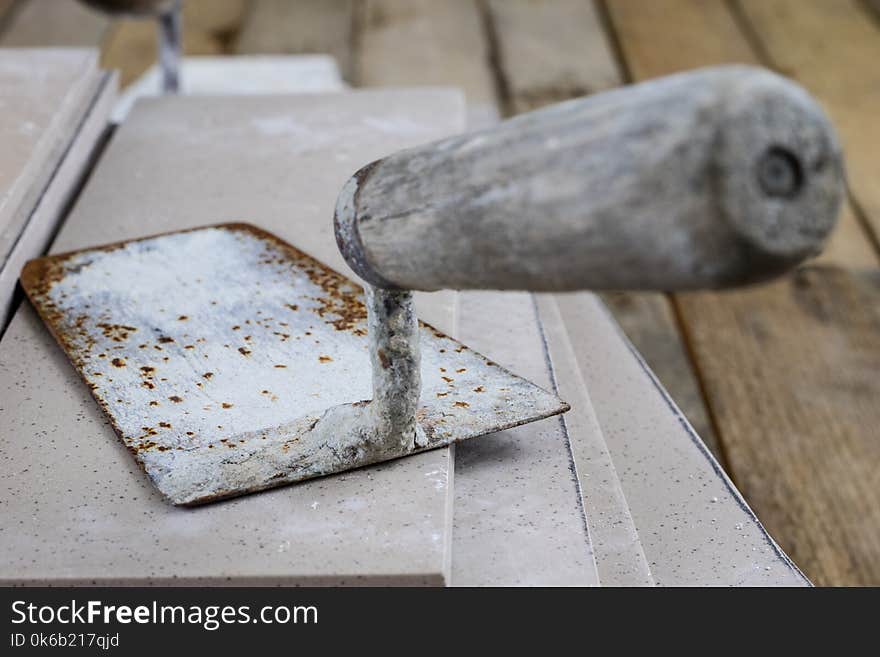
x,y
54,104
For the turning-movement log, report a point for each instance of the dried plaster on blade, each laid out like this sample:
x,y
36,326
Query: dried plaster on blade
x,y
217,353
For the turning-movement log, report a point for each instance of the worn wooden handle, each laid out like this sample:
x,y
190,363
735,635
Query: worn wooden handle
x,y
711,178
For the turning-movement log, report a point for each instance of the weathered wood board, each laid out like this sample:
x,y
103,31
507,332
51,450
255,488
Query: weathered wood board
x,y
301,27
550,51
444,42
832,48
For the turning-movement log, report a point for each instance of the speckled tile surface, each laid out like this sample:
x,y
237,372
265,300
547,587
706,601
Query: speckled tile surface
x,y
694,526
620,557
518,517
75,506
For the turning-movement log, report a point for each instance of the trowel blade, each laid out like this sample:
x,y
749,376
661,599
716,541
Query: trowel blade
x,y
216,351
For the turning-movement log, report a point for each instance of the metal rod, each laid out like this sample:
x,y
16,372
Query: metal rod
x,y
394,355
170,30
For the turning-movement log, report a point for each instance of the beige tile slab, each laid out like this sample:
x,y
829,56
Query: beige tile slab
x,y
76,509
45,94
519,519
620,558
694,526
241,75
48,214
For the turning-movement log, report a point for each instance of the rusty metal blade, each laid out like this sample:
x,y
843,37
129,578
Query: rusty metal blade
x,y
217,352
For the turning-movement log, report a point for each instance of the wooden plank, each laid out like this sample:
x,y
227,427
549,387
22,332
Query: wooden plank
x,y
51,23
832,48
221,18
667,36
304,26
131,46
780,364
791,369
424,42
551,50
6,12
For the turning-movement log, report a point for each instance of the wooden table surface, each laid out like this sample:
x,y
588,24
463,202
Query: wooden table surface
x,y
780,380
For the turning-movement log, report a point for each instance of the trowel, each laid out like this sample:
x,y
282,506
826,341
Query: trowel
x,y
229,361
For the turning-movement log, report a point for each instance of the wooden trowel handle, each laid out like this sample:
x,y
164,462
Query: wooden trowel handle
x,y
712,178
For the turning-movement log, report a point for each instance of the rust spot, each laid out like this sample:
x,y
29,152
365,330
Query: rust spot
x,y
383,359
146,369
443,369
236,328
118,362
208,375
461,404
165,425
176,399
226,405
281,366
114,332
447,379
165,339
148,385
460,370
326,359
479,389
244,352
182,318
442,394
154,403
